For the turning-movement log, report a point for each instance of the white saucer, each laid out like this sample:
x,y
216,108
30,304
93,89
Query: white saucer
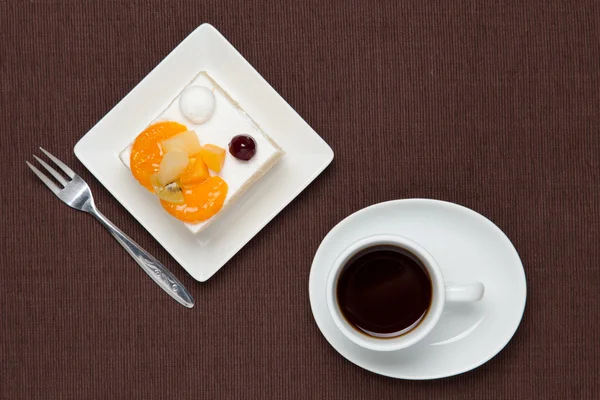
x,y
468,247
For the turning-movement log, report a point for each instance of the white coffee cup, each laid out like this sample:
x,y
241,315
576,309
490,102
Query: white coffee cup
x,y
441,293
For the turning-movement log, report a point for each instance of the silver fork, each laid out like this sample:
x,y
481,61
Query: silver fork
x,y
76,193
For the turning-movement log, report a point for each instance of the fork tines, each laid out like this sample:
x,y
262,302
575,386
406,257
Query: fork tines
x,y
47,181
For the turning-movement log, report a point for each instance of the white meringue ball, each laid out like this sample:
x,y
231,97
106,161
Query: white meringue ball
x,y
197,103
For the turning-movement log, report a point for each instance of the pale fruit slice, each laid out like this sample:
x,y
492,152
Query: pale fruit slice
x,y
172,165
196,172
171,192
213,156
186,141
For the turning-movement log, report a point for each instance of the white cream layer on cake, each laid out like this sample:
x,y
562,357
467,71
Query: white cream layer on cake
x,y
227,121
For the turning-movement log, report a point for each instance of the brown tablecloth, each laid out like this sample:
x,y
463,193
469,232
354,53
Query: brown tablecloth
x,y
491,104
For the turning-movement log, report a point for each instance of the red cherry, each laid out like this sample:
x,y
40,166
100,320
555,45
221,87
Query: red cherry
x,y
242,147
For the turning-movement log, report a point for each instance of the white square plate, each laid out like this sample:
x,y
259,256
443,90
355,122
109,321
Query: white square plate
x,y
307,155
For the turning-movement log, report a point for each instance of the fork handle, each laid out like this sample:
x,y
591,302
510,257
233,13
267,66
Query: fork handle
x,y
158,272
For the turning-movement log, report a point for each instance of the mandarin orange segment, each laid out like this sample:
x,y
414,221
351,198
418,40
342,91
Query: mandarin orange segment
x,y
146,152
201,201
213,156
196,172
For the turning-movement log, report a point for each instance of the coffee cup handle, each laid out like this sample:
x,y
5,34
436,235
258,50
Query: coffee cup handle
x,y
465,293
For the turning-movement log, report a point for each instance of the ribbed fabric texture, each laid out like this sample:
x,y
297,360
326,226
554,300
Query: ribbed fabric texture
x,y
494,105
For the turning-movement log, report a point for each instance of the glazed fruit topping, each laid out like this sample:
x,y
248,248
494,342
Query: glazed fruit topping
x,y
196,172
186,141
213,156
170,193
171,166
242,147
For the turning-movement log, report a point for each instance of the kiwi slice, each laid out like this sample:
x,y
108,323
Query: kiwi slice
x,y
171,192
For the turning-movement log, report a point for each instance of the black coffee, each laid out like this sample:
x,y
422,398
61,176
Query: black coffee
x,y
384,291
